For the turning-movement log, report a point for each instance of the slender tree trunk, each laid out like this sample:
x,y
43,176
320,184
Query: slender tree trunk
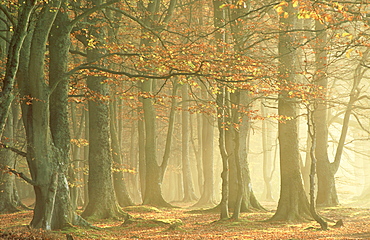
x,y
267,158
312,132
12,63
207,198
154,171
120,188
134,176
8,202
189,193
197,148
75,173
141,149
224,204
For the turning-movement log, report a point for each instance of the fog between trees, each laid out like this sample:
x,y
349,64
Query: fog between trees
x,y
208,104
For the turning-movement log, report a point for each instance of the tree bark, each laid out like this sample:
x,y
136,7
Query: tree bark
x,y
267,158
207,197
8,202
102,198
327,194
189,193
16,42
293,204
120,188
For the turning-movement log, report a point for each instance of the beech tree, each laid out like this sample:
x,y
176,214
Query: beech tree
x,y
153,172
102,198
293,204
12,63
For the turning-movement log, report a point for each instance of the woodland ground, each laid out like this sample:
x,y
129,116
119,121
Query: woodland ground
x,y
179,223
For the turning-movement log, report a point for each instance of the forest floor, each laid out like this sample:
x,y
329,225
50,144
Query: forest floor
x,y
180,223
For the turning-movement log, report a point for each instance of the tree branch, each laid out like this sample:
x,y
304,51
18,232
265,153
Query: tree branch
x,y
130,75
90,11
17,151
23,176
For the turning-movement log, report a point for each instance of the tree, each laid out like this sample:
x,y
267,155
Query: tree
x,y
102,198
16,42
154,172
189,193
8,202
293,203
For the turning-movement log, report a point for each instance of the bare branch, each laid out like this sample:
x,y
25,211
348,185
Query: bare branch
x,y
17,151
23,176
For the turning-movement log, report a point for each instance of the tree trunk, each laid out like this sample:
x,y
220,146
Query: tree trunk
x,y
197,148
221,120
267,159
120,188
41,155
75,173
102,198
141,148
327,194
14,49
312,132
8,202
293,204
207,198
189,193
154,171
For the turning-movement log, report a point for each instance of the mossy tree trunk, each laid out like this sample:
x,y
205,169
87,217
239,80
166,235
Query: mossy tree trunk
x,y
102,198
8,203
12,62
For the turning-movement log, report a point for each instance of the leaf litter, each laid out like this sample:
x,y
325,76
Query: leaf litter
x,y
180,223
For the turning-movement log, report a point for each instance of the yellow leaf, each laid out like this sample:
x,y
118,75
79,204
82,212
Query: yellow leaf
x,y
286,15
348,53
295,3
279,10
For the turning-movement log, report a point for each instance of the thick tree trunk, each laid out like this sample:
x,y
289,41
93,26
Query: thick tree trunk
x,y
154,171
63,214
41,153
102,198
293,204
153,178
